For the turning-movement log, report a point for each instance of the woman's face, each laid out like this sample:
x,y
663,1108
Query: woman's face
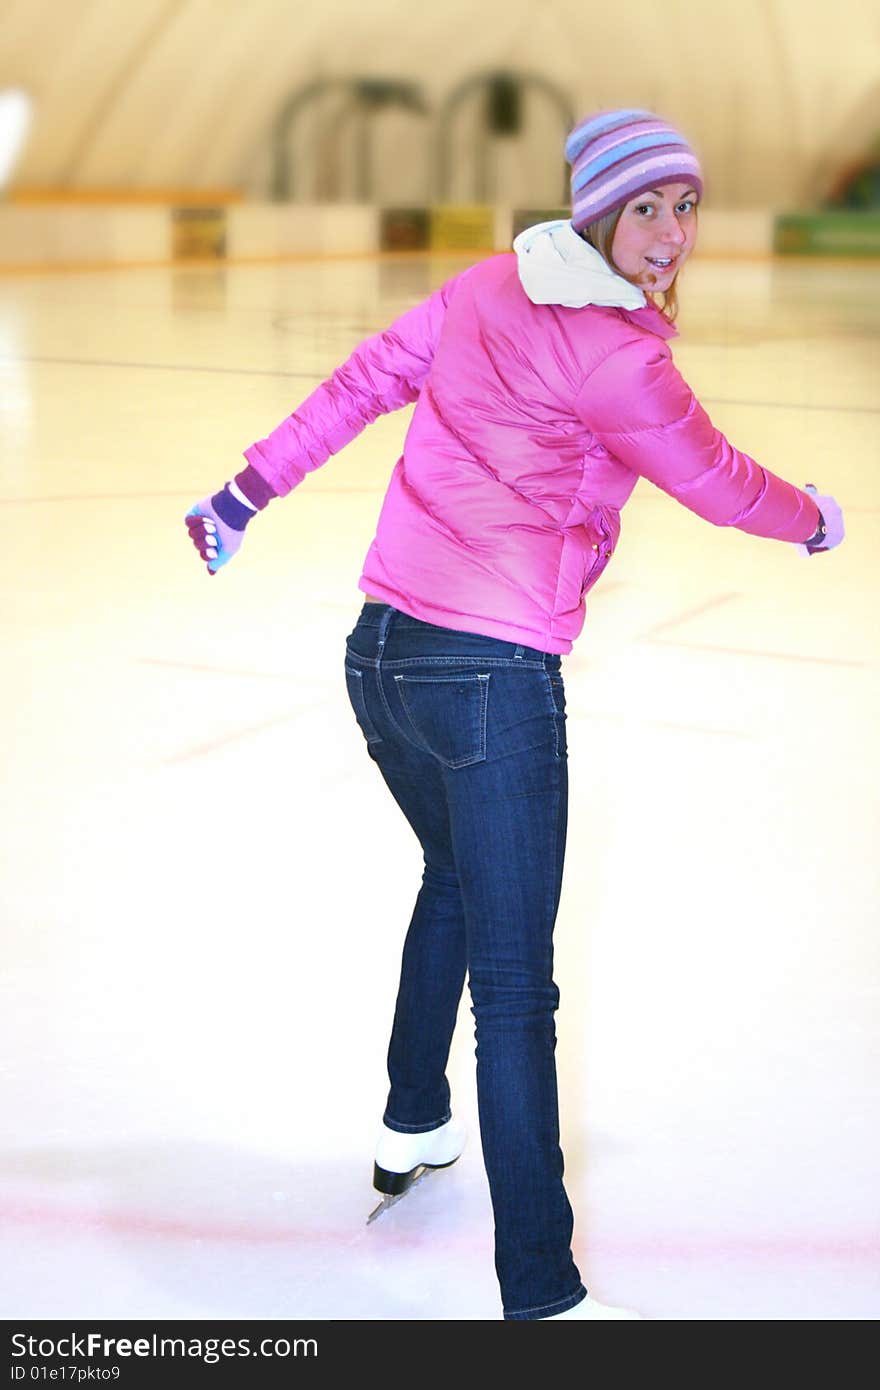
x,y
658,225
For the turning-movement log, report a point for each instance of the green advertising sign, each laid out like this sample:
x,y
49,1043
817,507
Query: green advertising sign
x,y
827,234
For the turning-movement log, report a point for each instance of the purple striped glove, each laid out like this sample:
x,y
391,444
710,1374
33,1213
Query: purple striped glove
x,y
832,522
216,525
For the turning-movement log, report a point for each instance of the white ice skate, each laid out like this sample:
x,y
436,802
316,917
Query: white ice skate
x,y
402,1160
589,1310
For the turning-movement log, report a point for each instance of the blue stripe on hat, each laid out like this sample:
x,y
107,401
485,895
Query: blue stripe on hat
x,y
598,165
601,125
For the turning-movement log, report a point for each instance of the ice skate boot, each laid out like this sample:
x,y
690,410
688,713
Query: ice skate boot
x,y
589,1310
402,1160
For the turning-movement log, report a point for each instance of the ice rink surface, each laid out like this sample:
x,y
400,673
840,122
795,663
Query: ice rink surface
x,y
206,885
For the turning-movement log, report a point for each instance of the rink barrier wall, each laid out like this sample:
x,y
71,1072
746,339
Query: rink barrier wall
x,y
39,234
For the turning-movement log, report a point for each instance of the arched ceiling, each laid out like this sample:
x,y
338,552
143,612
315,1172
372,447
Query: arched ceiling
x,y
184,93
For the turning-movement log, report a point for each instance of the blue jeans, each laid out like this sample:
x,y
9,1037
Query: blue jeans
x,y
469,734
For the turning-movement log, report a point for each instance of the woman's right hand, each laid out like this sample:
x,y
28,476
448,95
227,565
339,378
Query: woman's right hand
x,y
833,518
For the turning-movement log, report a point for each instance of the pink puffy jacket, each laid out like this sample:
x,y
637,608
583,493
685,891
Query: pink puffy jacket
x,y
532,426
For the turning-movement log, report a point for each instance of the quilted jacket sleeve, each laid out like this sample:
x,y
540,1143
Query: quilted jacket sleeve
x,y
638,406
382,374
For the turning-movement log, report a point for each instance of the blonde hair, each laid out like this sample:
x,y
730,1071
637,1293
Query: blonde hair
x,y
600,234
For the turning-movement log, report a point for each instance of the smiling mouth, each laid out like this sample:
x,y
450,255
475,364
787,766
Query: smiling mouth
x,y
662,262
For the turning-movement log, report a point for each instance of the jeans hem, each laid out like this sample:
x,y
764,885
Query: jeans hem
x,y
547,1310
415,1129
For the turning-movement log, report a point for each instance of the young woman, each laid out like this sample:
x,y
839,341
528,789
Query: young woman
x,y
544,389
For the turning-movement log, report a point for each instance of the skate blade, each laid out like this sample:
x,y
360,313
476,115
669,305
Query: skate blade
x,y
388,1201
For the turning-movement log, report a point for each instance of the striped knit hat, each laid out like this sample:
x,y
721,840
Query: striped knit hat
x,y
616,154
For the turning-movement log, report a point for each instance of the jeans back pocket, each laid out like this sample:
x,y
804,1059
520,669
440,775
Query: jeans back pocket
x,y
448,714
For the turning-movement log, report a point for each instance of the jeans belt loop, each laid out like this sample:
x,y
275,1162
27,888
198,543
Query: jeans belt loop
x,y
518,654
383,629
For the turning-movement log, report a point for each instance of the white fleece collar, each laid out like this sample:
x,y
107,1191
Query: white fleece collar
x,y
556,266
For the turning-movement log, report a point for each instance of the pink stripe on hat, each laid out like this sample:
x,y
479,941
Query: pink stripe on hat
x,y
649,173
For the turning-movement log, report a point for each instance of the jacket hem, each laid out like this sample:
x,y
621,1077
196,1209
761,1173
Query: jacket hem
x,y
464,622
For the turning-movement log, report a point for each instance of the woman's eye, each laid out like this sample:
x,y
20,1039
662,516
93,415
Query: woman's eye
x,y
687,203
648,207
